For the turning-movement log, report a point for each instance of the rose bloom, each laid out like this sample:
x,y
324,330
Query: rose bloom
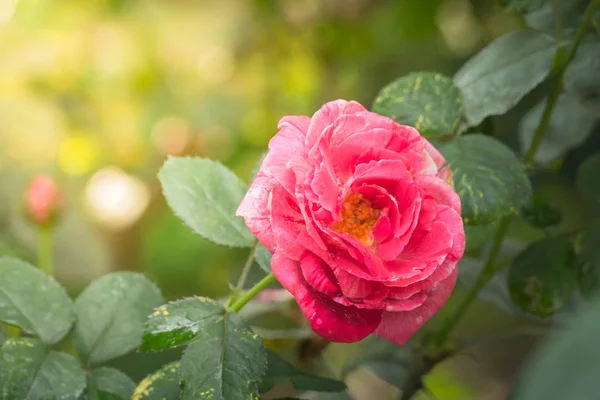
x,y
362,220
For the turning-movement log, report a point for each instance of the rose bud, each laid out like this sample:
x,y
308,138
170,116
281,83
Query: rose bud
x,y
43,199
362,220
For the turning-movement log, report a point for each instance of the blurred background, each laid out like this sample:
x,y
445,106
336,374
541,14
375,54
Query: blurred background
x,y
99,93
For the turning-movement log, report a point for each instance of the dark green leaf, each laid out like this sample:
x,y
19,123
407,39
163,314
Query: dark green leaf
x,y
588,181
588,260
110,315
568,365
263,258
541,278
327,396
206,195
562,134
109,384
225,362
540,213
487,176
581,78
427,101
570,13
29,371
521,6
3,336
496,78
279,371
161,385
178,322
34,301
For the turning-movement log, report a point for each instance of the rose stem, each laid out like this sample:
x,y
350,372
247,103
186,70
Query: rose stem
x,y
253,291
44,249
243,276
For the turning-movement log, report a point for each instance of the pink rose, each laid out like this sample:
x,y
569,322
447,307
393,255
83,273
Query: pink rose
x,y
364,227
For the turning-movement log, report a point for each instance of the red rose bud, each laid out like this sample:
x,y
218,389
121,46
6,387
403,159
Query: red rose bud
x,y
362,220
43,199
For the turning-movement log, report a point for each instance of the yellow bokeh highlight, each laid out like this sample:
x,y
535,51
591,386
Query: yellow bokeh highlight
x,y
78,154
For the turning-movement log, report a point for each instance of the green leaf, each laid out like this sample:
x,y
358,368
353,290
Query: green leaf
x,y
588,260
568,365
496,78
110,315
29,371
562,134
109,384
326,396
569,12
34,301
521,6
279,371
178,322
3,336
205,195
161,385
581,78
588,182
541,214
427,101
541,279
487,176
263,258
225,362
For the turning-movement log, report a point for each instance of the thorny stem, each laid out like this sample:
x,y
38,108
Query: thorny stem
x,y
243,276
490,266
253,291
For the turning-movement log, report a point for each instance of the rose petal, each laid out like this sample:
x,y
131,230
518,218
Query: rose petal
x,y
398,327
255,210
326,116
442,192
287,223
329,319
318,274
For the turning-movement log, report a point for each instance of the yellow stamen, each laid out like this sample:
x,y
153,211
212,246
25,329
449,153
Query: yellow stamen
x,y
358,218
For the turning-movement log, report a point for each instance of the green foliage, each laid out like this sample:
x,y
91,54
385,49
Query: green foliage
x,y
561,134
225,362
279,371
487,176
224,358
3,336
541,278
588,261
33,301
521,6
588,181
429,102
497,77
581,78
567,366
178,322
477,235
110,315
160,385
541,214
569,12
263,258
109,384
205,195
29,371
